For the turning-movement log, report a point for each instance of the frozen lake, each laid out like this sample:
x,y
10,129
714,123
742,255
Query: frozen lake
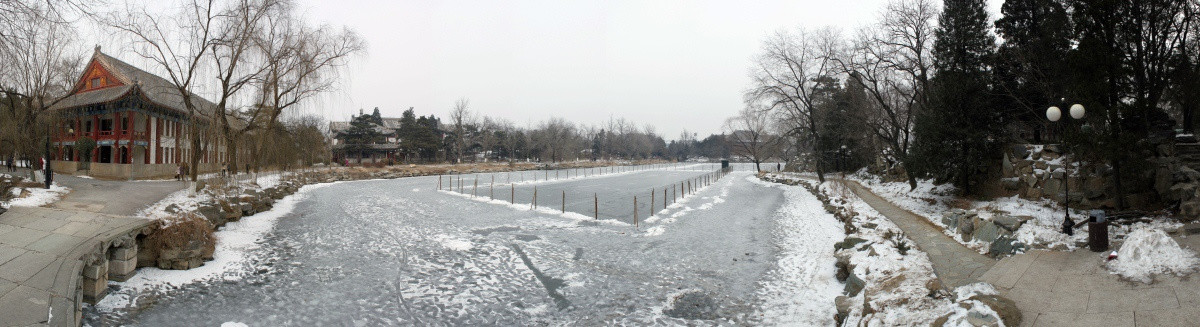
x,y
399,252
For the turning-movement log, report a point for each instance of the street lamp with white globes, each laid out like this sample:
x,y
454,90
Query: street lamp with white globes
x,y
1054,114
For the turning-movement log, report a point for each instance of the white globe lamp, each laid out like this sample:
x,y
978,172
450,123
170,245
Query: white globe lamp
x,y
1053,114
1077,111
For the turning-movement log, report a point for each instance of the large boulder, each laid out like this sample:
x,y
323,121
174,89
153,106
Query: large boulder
x,y
1007,166
1183,191
950,219
966,227
1189,211
1020,151
1007,309
212,213
987,232
1187,174
1011,184
853,285
1010,223
1005,245
848,243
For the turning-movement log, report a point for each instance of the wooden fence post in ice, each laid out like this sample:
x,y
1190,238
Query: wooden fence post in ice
x,y
439,182
664,198
596,204
635,215
564,202
475,189
673,200
492,189
513,195
534,198
652,202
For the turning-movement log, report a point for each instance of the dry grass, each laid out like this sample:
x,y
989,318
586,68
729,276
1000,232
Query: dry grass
x,y
960,203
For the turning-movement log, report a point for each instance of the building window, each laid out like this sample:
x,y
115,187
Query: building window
x,y
96,82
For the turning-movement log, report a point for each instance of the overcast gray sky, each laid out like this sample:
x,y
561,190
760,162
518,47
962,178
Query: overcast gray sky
x,y
673,64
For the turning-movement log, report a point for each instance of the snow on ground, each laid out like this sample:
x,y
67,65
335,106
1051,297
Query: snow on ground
x,y
33,196
1044,230
800,290
187,201
235,245
896,282
1149,251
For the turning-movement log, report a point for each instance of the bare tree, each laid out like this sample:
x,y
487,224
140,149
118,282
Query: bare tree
x,y
178,45
233,58
460,118
300,62
892,61
786,75
747,134
38,68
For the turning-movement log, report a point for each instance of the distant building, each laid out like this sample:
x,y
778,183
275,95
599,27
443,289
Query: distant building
x,y
138,120
387,149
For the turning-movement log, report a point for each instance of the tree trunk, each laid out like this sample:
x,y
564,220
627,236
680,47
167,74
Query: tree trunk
x,y
231,155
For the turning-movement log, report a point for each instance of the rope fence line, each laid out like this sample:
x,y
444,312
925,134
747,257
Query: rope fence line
x,y
680,190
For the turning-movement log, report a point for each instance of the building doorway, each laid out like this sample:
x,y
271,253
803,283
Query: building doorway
x,y
106,153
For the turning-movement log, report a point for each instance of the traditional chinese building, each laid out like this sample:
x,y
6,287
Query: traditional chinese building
x,y
138,120
385,149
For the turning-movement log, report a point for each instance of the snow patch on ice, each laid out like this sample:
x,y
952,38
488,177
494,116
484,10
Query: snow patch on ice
x,y
453,243
235,243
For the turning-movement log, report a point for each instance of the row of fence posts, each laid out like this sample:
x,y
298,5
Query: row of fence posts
x,y
685,188
546,174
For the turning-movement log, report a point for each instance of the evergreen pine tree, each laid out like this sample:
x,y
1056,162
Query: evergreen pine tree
x,y
956,136
361,135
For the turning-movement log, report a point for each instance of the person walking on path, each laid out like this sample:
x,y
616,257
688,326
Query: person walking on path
x,y
11,163
178,171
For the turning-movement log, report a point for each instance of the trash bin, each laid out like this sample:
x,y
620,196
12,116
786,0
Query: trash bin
x,y
1097,231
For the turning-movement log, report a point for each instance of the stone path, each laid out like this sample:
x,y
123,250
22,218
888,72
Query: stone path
x,y
955,264
113,197
1053,288
42,253
1073,289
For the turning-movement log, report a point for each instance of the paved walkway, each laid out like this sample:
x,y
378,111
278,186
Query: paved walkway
x,y
113,197
955,264
123,198
1053,288
1073,289
41,261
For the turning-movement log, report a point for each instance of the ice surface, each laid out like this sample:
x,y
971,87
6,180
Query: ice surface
x,y
377,253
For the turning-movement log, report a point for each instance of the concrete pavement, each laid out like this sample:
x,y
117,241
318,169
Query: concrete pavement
x,y
43,254
1073,289
113,197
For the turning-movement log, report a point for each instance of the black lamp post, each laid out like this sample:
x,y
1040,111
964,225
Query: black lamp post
x,y
1054,114
46,165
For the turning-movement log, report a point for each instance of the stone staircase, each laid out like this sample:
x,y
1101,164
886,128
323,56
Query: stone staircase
x,y
1188,154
